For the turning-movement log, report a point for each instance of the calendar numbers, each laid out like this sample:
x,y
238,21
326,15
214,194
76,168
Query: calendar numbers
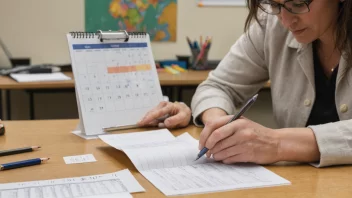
x,y
115,77
89,103
119,102
107,88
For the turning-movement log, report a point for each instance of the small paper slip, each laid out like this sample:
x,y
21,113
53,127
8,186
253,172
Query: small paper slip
x,y
168,163
58,76
117,184
78,159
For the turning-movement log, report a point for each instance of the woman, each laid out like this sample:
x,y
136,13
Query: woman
x,y
305,48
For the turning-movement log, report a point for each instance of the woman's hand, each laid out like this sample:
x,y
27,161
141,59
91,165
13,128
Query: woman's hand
x,y
167,114
240,141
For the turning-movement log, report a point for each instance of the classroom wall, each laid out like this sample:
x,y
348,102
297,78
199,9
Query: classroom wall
x,y
37,28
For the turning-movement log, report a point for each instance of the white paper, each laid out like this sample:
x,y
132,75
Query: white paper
x,y
57,76
78,187
78,159
170,166
137,139
114,195
116,82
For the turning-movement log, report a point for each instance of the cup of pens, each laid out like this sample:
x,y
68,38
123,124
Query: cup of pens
x,y
200,53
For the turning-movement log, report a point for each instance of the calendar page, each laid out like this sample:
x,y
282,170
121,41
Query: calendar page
x,y
116,82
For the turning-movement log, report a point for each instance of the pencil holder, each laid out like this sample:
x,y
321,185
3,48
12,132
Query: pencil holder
x,y
200,59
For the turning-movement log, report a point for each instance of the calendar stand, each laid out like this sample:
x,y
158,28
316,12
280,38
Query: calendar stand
x,y
116,81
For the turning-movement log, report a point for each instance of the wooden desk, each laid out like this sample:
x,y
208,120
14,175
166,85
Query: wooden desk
x,y
189,79
56,140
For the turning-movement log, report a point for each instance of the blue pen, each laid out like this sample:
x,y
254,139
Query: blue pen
x,y
235,117
24,163
195,45
189,42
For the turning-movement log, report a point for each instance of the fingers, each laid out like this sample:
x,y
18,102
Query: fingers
x,y
210,127
237,159
161,125
229,152
177,120
181,119
224,144
155,113
238,137
152,124
180,115
225,132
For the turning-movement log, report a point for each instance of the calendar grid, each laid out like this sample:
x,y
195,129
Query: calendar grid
x,y
114,80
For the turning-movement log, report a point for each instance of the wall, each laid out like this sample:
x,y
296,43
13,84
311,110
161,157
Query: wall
x,y
37,28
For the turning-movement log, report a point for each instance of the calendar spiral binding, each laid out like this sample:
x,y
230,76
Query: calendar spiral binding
x,y
108,35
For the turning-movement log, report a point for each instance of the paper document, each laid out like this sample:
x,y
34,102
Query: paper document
x,y
168,163
114,195
77,159
58,76
116,184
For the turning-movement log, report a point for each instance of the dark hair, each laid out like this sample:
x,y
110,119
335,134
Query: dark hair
x,y
343,30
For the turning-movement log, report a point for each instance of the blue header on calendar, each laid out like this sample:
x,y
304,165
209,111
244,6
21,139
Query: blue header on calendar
x,y
108,45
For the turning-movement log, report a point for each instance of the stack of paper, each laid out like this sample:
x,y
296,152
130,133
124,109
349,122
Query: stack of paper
x,y
118,184
168,163
58,76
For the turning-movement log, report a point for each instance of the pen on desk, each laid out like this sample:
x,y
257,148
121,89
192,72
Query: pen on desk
x,y
19,150
24,163
235,117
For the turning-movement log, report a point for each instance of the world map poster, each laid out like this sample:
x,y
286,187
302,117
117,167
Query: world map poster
x,y
157,17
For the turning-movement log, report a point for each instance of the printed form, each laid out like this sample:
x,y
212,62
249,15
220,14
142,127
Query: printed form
x,y
118,184
168,163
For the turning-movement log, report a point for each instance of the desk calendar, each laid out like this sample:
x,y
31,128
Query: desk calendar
x,y
116,80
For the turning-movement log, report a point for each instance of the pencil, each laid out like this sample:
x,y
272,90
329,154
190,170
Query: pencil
x,y
24,163
189,42
202,51
19,150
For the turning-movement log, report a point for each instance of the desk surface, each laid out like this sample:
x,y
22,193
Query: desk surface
x,y
57,142
190,78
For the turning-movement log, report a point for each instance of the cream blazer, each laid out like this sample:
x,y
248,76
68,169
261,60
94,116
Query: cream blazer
x,y
273,53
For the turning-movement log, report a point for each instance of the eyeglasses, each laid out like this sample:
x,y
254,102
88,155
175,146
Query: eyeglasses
x,y
293,6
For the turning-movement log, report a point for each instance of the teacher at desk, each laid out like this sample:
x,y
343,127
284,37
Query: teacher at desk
x,y
305,48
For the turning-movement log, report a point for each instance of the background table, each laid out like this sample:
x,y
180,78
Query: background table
x,y
172,83
56,140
